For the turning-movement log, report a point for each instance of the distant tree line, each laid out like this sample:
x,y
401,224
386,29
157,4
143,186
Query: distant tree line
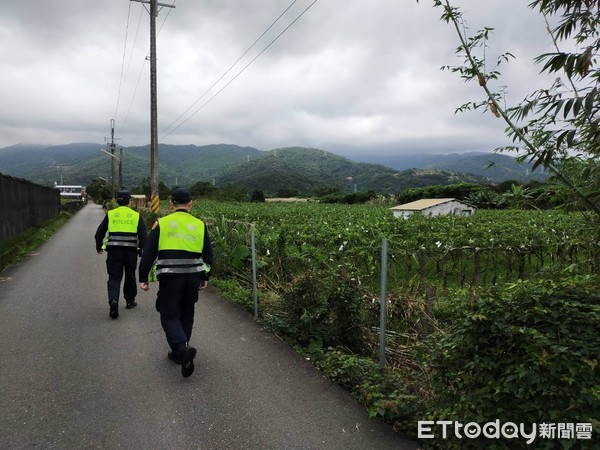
x,y
508,194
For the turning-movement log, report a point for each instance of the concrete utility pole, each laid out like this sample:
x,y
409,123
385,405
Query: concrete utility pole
x,y
120,158
111,146
154,201
121,168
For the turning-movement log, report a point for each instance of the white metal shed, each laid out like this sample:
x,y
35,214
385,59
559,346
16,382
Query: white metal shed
x,y
434,207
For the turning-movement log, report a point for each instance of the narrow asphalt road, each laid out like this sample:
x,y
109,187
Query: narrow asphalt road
x,y
70,377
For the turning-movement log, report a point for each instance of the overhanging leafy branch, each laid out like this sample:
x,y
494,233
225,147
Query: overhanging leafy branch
x,y
561,124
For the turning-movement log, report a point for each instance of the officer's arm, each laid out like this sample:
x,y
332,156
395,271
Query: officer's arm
x,y
142,235
207,252
149,254
100,233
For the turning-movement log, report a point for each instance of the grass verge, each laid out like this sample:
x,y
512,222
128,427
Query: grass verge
x,y
15,249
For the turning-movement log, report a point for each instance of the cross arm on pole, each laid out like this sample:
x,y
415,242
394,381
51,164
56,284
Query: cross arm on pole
x,y
110,154
164,5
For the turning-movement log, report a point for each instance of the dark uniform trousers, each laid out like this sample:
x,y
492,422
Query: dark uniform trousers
x,y
117,261
175,301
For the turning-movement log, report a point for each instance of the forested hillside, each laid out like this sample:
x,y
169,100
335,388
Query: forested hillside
x,y
305,169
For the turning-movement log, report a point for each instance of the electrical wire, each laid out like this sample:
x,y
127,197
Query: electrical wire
x,y
228,70
133,96
243,69
127,71
168,13
123,60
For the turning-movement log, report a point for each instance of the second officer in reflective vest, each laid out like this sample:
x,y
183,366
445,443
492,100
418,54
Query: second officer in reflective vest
x,y
180,250
126,238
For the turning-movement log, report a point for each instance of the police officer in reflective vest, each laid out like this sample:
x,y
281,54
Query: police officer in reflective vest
x,y
179,248
126,238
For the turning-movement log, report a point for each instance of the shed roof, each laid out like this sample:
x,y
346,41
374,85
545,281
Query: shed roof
x,y
422,204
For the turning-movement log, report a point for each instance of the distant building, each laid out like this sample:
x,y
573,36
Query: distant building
x,y
434,207
285,200
70,191
140,201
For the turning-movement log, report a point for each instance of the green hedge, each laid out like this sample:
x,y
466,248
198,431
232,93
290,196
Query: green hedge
x,y
523,354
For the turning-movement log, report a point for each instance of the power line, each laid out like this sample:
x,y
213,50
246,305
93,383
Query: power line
x,y
123,59
168,13
227,71
129,66
133,96
241,71
125,74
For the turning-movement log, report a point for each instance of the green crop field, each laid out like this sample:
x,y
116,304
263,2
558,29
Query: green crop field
x,y
486,248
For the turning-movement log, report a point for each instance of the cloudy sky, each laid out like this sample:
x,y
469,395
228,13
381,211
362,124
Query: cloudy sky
x,y
347,76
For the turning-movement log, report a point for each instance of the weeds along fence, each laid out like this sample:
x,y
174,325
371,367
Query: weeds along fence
x,y
272,262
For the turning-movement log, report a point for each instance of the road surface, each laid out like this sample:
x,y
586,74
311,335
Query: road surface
x,y
70,377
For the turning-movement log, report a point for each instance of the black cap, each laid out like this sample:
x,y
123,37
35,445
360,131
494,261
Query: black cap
x,y
181,196
123,196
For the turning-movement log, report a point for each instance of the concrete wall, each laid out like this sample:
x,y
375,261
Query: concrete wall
x,y
24,204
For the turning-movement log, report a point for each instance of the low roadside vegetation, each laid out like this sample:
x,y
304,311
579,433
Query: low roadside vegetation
x,y
15,249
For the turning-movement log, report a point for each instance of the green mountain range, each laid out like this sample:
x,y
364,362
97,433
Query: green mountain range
x,y
297,168
303,169
497,167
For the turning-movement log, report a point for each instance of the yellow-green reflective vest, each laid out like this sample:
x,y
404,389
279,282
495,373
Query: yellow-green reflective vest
x,y
184,234
122,227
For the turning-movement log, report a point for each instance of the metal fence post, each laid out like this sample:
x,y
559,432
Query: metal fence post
x,y
383,303
254,288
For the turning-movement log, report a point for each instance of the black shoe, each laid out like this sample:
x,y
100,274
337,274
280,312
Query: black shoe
x,y
114,310
131,304
187,361
173,357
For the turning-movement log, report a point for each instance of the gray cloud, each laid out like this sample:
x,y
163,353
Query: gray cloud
x,y
347,76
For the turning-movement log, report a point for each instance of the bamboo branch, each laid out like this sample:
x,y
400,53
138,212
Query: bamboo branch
x,y
483,83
